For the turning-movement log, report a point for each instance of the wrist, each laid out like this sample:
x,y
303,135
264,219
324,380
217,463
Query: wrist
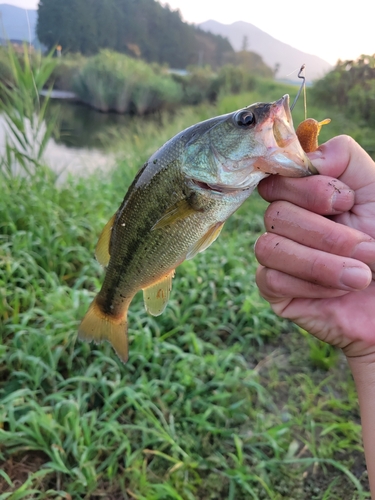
x,y
363,369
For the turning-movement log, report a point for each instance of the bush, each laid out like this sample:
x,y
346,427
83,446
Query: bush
x,y
350,86
115,82
66,69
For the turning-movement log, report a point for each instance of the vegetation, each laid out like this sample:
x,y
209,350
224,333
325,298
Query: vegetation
x,y
251,63
111,81
24,113
350,86
5,68
115,82
219,399
141,28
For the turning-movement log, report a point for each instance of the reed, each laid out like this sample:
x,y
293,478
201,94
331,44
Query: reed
x,y
116,82
25,112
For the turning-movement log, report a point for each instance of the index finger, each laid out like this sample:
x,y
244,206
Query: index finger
x,y
319,193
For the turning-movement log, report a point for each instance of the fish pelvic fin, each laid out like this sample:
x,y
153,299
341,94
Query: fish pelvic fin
x,y
156,296
205,241
98,326
102,249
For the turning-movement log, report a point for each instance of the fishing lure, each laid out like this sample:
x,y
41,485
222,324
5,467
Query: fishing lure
x,y
308,130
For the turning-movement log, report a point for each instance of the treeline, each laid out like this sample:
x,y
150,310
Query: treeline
x,y
140,28
350,86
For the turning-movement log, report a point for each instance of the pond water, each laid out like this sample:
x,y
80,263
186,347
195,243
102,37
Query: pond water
x,y
83,143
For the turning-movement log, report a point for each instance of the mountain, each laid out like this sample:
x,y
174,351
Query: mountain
x,y
15,23
273,51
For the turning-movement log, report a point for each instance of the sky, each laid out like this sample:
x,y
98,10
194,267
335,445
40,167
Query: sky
x,y
330,29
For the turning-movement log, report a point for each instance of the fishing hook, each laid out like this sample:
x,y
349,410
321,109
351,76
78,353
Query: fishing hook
x,y
303,86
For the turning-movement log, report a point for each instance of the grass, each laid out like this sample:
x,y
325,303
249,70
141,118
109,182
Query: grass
x,y
220,399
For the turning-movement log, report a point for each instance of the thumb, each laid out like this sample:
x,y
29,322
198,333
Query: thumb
x,y
344,159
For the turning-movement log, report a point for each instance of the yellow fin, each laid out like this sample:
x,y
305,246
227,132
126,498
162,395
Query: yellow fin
x,y
102,253
206,240
156,296
179,210
97,326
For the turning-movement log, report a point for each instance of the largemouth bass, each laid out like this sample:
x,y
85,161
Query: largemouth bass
x,y
178,204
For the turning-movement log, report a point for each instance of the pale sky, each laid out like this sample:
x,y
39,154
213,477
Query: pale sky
x,y
326,28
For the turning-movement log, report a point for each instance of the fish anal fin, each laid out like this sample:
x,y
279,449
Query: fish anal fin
x,y
206,240
156,296
97,326
178,211
102,252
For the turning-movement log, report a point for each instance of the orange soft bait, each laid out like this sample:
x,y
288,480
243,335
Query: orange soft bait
x,y
308,132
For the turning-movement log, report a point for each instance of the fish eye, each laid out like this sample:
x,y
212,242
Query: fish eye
x,y
245,119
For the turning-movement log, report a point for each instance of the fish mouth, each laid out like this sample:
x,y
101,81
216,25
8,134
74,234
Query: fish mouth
x,y
288,151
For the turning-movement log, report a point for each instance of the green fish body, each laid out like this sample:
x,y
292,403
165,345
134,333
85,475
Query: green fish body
x,y
177,206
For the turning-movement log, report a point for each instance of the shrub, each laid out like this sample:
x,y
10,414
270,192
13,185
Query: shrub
x,y
115,82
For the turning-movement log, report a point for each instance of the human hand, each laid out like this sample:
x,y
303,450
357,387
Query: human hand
x,y
318,271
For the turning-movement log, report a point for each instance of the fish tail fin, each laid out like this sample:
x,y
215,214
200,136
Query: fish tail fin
x,y
98,326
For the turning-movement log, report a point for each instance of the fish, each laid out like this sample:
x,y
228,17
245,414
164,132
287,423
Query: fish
x,y
178,203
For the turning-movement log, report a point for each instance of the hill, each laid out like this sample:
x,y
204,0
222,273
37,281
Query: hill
x,y
273,51
17,23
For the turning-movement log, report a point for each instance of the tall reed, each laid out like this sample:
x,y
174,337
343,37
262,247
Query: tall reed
x,y
24,112
115,82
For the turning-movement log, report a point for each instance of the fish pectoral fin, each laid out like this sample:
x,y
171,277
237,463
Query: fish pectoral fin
x,y
178,211
205,241
102,252
156,296
97,326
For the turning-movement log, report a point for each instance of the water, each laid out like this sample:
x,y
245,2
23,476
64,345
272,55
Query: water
x,y
83,143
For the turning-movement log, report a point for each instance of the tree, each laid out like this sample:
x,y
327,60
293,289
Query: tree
x,y
134,27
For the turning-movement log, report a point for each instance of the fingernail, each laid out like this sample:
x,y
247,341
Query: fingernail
x,y
365,251
356,277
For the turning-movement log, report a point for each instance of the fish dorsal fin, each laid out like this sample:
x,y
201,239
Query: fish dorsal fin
x,y
206,240
178,211
102,252
156,296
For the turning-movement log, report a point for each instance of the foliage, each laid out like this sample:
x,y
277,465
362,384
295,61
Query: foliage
x,y
64,71
5,67
24,113
115,82
235,79
351,87
140,28
250,62
203,84
197,85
